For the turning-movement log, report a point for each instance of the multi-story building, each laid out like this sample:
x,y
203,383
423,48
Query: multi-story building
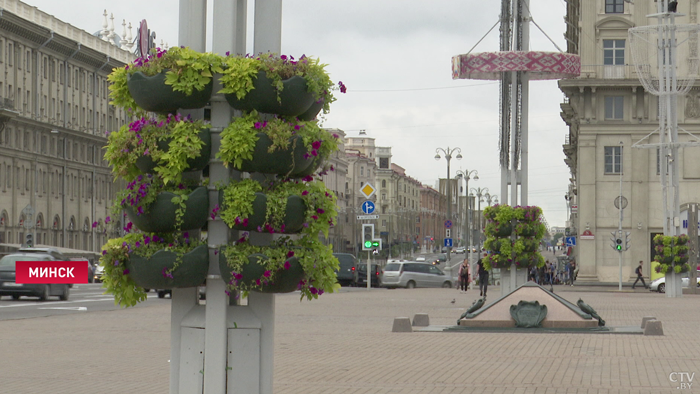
x,y
607,111
54,111
336,179
432,218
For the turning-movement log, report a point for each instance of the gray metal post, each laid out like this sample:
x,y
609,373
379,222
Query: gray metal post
x,y
693,246
619,224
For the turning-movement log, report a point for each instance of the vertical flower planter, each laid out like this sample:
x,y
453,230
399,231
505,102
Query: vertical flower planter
x,y
160,217
146,164
152,94
149,273
293,100
295,214
282,161
284,281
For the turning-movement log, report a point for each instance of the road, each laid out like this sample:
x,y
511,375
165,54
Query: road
x,y
83,298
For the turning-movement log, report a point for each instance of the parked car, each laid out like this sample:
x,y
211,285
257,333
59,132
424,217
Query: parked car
x,y
413,274
163,292
8,286
660,284
346,270
361,275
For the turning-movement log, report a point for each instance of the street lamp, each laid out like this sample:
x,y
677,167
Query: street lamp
x,y
491,198
480,192
467,224
448,155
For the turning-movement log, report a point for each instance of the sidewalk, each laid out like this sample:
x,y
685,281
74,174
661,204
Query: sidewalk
x,y
342,343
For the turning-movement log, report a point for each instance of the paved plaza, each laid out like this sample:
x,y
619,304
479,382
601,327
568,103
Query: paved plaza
x,y
342,343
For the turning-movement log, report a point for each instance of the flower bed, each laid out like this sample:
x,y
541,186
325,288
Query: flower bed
x,y
671,252
503,250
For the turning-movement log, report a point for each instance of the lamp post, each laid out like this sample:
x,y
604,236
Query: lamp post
x,y
491,198
468,223
448,155
480,192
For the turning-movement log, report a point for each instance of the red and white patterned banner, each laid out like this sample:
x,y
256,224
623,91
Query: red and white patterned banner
x,y
540,65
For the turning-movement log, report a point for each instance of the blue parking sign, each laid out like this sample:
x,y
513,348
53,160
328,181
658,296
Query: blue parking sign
x,y
570,241
448,242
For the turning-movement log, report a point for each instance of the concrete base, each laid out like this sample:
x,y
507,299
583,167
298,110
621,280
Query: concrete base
x,y
645,319
402,324
674,286
560,312
654,327
421,320
507,282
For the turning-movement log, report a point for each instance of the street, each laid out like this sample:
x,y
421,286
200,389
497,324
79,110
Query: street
x,y
342,343
83,298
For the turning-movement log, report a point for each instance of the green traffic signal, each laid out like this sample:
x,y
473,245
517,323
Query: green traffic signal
x,y
618,245
375,244
368,244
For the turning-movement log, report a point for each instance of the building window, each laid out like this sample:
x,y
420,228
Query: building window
x,y
613,107
614,6
383,162
614,52
613,159
383,182
362,171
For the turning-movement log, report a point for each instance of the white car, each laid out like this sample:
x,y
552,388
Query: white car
x,y
459,250
660,284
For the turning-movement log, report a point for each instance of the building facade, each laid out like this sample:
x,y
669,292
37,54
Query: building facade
x,y
54,112
607,111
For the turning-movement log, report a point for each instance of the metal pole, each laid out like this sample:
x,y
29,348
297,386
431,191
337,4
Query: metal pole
x,y
619,224
449,203
369,278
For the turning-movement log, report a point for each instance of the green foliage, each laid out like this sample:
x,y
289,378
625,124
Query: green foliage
x,y
116,253
145,136
238,139
239,73
522,250
671,253
238,201
316,259
186,70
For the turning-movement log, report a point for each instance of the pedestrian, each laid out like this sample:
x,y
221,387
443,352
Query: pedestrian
x,y
464,276
574,272
483,278
638,271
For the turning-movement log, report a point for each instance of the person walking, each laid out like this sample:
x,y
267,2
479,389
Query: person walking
x,y
464,275
638,271
483,278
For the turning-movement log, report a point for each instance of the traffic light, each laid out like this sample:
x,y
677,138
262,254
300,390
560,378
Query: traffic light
x,y
29,240
367,236
618,245
628,240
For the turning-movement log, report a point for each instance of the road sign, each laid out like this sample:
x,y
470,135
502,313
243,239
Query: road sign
x,y
448,233
367,190
448,242
574,208
368,207
570,241
366,217
448,223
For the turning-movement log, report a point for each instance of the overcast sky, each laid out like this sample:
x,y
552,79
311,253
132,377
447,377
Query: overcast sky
x,y
394,57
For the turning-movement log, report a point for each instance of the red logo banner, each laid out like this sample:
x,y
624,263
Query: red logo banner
x,y
46,272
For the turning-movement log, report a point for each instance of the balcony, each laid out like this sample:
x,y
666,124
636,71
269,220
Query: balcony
x,y
599,71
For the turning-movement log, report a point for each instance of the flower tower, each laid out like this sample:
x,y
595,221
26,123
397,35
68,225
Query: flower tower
x,y
249,176
671,252
513,236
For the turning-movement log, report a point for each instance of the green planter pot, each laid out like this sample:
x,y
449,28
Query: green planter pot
x,y
191,272
526,231
667,259
504,230
293,217
293,99
152,94
312,112
315,164
160,217
281,161
146,164
285,281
